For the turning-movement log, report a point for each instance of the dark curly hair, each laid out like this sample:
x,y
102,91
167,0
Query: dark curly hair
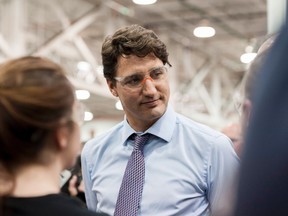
x,y
131,40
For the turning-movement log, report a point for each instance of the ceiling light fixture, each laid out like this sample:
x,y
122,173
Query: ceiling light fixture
x,y
82,94
248,56
88,116
118,105
204,30
144,2
83,66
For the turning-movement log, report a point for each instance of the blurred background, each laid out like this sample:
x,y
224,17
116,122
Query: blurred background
x,y
208,66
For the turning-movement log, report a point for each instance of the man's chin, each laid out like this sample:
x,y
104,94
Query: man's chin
x,y
157,112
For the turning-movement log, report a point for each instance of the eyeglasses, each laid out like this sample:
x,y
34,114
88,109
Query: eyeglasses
x,y
137,80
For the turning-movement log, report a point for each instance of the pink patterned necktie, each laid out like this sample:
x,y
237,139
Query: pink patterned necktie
x,y
130,192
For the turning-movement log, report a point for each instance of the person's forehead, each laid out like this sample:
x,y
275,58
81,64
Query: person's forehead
x,y
133,63
134,58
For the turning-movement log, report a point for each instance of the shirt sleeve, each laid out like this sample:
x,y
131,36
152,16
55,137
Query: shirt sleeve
x,y
222,176
91,199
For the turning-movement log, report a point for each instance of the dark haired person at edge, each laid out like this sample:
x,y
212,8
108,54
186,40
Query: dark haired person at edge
x,y
263,176
237,131
39,137
183,168
246,107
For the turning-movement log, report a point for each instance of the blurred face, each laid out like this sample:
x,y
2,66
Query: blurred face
x,y
146,103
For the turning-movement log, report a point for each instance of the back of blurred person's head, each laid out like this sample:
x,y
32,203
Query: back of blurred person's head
x,y
244,103
251,77
36,102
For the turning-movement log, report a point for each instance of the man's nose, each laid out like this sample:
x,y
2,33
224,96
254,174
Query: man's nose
x,y
148,85
145,79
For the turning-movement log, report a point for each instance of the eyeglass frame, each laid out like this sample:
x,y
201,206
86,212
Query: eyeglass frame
x,y
144,78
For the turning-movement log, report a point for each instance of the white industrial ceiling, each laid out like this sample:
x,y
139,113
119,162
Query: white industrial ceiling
x,y
206,73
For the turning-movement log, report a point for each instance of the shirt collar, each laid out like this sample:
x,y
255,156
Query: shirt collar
x,y
160,128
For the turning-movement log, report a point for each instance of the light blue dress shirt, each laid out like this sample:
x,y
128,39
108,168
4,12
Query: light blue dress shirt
x,y
189,167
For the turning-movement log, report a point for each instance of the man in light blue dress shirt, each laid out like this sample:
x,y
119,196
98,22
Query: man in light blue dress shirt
x,y
189,168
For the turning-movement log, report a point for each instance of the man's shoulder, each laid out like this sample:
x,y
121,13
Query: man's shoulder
x,y
197,127
101,138
205,135
110,132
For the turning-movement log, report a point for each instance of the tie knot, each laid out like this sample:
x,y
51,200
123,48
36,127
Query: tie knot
x,y
140,141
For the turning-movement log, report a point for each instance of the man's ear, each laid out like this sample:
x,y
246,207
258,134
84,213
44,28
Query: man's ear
x,y
62,135
112,87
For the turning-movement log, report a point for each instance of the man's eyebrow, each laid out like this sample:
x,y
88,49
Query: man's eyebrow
x,y
141,72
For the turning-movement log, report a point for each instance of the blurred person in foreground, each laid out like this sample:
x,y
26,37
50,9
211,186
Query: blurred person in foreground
x,y
249,82
245,107
188,166
39,137
263,177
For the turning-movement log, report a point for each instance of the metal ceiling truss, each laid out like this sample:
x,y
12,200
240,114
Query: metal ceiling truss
x,y
204,78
